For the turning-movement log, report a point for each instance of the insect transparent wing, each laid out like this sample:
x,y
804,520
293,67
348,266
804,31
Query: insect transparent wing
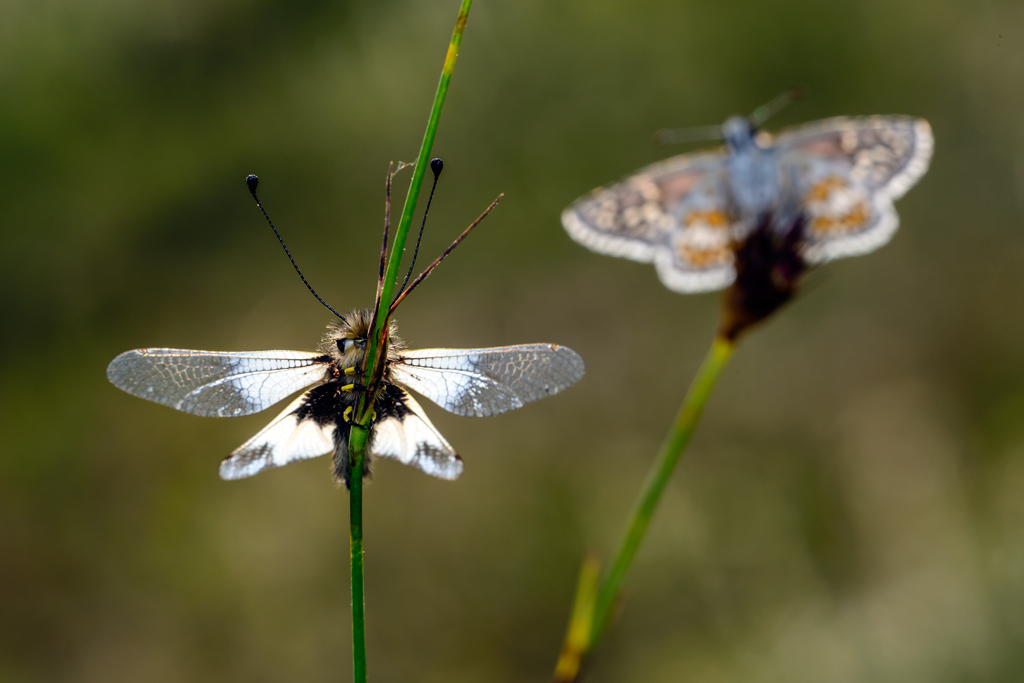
x,y
215,384
286,439
407,435
484,382
848,172
674,213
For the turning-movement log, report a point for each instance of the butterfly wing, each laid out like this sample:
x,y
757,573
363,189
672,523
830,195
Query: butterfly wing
x,y
292,435
403,432
848,172
485,382
216,384
674,213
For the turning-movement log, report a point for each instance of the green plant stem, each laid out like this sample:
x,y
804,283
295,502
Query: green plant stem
x,y
358,436
356,451
689,414
418,171
577,637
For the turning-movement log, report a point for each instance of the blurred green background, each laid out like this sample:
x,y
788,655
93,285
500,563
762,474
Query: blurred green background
x,y
852,508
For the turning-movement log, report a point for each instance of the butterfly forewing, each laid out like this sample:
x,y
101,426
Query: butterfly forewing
x,y
885,153
289,437
216,384
484,382
404,433
674,213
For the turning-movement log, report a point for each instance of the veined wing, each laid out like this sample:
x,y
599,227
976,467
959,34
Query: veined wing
x,y
675,213
290,436
484,382
403,432
216,384
848,172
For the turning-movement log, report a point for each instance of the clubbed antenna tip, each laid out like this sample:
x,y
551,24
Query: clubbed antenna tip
x,y
251,181
436,166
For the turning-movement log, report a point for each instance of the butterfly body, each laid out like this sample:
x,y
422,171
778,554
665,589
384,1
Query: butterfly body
x,y
689,213
753,178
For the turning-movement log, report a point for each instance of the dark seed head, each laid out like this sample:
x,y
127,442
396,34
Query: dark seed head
x,y
436,165
768,272
252,181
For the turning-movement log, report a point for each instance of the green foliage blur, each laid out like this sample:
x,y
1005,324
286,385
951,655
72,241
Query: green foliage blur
x,y
851,509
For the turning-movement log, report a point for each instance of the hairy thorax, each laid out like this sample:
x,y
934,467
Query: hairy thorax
x,y
346,343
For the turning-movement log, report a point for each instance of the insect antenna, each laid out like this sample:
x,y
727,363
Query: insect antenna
x,y
775,105
252,181
384,244
436,166
675,136
426,271
392,172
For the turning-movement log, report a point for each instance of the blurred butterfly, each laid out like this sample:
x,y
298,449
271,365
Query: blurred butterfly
x,y
468,382
688,213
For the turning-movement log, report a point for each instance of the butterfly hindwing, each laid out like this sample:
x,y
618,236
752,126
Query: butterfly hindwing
x,y
214,384
403,432
674,213
847,172
293,435
485,382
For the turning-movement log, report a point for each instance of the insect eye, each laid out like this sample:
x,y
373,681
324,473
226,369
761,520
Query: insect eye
x,y
345,345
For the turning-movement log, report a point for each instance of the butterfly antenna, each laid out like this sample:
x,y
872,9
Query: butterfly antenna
x,y
426,271
436,166
675,136
252,181
775,105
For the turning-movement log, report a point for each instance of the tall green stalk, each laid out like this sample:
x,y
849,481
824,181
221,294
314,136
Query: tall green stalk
x,y
358,436
682,429
391,277
592,619
356,452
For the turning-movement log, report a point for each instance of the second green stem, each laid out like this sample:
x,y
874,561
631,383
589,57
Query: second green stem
x,y
671,450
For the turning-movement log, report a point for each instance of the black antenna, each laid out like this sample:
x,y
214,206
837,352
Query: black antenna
x,y
674,136
774,105
384,245
426,271
436,165
252,181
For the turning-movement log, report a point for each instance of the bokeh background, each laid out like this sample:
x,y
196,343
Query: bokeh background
x,y
852,508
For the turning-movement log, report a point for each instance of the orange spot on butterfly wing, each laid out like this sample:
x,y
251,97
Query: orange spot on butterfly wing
x,y
852,221
821,190
698,258
718,220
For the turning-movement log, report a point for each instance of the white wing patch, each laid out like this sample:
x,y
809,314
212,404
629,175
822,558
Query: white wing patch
x,y
286,439
485,382
411,439
214,384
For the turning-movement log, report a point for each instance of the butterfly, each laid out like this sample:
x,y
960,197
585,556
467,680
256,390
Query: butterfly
x,y
468,382
688,213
